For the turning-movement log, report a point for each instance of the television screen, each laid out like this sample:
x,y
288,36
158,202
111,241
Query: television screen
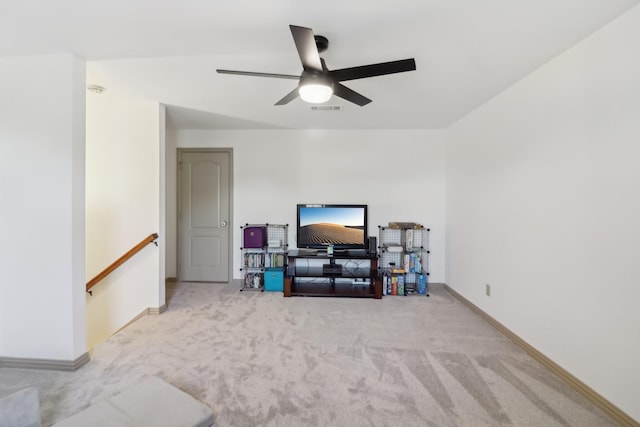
x,y
343,226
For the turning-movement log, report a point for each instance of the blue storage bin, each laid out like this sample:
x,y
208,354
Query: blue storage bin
x,y
274,279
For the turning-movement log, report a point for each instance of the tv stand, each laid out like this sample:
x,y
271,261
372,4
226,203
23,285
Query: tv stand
x,y
344,274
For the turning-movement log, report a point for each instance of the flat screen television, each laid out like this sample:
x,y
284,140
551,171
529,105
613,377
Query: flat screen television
x,y
342,226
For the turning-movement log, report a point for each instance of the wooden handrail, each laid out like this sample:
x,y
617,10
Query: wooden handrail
x,y
117,263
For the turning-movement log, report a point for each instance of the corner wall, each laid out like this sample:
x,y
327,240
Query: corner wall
x,y
399,174
124,138
42,169
542,196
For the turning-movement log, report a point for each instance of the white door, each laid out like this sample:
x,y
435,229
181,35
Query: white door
x,y
204,195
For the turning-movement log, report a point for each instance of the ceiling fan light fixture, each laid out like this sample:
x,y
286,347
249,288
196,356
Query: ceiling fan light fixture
x,y
315,93
315,89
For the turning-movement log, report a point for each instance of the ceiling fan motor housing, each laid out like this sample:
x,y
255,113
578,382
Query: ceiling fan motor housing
x,y
322,43
313,77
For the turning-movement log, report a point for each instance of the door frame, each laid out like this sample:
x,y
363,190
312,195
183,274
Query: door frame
x,y
231,217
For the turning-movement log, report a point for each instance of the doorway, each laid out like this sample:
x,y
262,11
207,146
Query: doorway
x,y
204,215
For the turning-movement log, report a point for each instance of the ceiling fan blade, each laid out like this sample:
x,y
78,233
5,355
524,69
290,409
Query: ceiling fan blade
x,y
350,95
373,70
252,73
307,49
289,97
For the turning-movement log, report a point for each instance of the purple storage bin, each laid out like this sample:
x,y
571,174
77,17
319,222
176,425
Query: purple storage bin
x,y
255,237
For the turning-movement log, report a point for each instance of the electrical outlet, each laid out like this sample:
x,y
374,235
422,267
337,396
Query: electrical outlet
x,y
487,289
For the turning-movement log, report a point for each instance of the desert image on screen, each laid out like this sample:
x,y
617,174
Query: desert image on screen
x,y
334,234
331,226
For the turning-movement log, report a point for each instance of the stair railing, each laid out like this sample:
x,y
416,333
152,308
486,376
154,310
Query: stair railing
x,y
151,238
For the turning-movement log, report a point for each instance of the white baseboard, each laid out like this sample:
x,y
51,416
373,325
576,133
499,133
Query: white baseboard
x,y
48,364
143,313
157,310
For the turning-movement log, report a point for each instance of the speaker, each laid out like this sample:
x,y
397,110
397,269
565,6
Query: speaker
x,y
373,245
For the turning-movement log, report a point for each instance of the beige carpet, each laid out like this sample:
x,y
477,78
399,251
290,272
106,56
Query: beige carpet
x,y
259,359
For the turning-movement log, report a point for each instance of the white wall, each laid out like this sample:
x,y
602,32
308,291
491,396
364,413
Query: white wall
x,y
122,208
42,119
399,174
543,202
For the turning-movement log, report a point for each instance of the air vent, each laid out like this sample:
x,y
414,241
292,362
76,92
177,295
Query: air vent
x,y
325,108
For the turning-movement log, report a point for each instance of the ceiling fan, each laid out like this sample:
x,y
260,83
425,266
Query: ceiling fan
x,y
317,83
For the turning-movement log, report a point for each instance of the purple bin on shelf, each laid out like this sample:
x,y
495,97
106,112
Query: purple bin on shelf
x,y
255,237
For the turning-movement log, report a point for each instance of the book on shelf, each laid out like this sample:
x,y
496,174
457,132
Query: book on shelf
x,y
401,285
398,225
278,260
408,240
254,260
422,284
253,280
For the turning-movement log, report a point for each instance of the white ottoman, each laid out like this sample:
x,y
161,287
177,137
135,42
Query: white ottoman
x,y
151,403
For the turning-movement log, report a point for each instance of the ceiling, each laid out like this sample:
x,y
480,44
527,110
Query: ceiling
x,y
466,52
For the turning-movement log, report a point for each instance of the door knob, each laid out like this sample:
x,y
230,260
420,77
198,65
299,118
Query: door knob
x,y
223,223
